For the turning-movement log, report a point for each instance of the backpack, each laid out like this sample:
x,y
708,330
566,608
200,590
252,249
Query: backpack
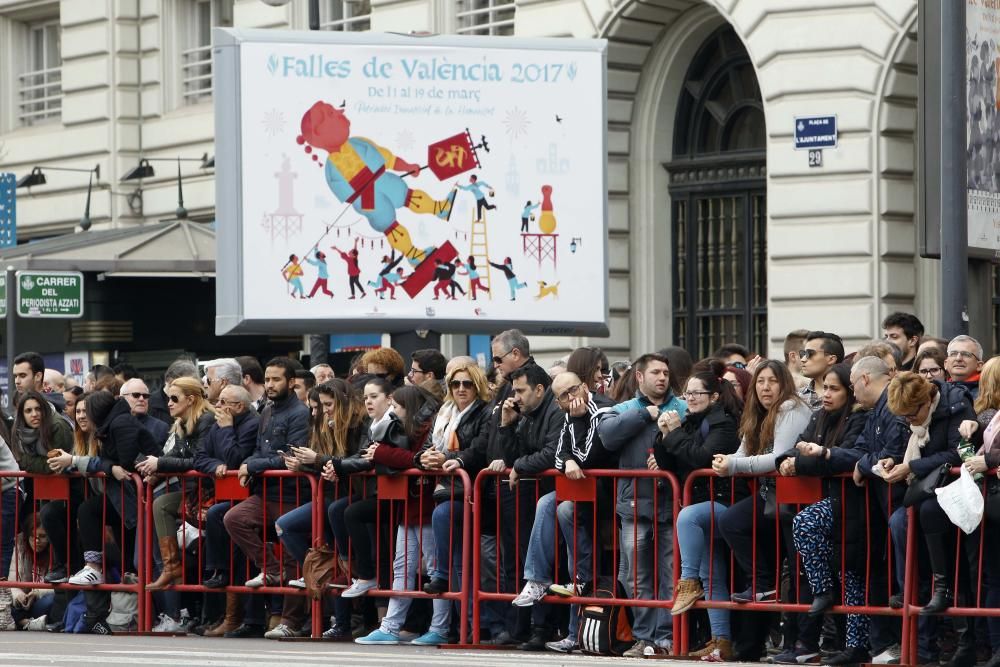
x,y
606,629
124,614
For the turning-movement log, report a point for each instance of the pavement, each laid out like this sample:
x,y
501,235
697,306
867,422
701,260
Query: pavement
x,y
39,649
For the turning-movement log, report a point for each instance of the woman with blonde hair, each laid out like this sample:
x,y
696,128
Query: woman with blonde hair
x,y
193,417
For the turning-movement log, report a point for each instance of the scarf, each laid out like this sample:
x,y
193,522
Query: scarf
x,y
448,418
27,440
919,436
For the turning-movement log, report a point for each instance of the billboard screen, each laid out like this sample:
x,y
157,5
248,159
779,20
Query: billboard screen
x,y
982,61
384,182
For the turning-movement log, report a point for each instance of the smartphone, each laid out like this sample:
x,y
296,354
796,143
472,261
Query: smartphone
x,y
516,407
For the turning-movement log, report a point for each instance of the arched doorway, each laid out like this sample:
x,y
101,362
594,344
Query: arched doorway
x,y
717,184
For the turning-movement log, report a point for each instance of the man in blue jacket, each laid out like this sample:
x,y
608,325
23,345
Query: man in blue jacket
x,y
883,439
284,422
631,429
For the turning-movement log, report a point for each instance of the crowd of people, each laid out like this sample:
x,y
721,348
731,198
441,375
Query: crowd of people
x,y
878,428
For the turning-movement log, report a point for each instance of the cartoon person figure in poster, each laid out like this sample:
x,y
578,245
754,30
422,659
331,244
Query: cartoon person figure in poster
x,y
476,186
443,278
386,278
508,271
353,269
292,273
322,276
526,215
359,172
475,280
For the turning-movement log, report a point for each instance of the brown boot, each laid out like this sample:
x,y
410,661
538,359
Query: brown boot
x,y
723,651
704,650
172,572
233,619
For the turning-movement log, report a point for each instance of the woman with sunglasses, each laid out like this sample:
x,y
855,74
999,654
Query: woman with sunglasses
x,y
930,364
340,430
193,417
709,428
773,417
826,448
464,415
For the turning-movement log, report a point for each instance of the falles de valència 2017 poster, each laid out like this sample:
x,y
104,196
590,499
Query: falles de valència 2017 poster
x,y
423,182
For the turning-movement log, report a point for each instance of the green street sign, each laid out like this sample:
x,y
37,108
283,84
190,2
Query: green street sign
x,y
50,294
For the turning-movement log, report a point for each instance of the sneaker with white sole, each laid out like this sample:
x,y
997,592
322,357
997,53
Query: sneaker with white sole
x,y
298,583
564,645
36,624
262,580
282,631
359,587
890,656
88,576
378,637
168,624
576,589
532,593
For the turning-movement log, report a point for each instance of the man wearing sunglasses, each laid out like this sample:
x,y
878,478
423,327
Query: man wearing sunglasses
x,y
136,394
821,352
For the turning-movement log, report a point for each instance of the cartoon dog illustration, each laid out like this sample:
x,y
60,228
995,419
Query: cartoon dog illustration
x,y
545,289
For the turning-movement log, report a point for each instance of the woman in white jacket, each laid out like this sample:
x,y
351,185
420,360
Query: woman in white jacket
x,y
772,420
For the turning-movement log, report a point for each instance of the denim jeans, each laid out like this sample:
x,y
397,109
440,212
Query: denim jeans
x,y
412,541
647,553
446,522
8,512
294,529
694,530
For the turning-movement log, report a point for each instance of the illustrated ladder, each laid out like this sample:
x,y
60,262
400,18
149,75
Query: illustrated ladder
x,y
479,248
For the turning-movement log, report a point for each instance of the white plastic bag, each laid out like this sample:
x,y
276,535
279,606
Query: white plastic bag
x,y
187,534
962,501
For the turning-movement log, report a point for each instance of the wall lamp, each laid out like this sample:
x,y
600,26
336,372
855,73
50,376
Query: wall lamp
x,y
145,170
37,177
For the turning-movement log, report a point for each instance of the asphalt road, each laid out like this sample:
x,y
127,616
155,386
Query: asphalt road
x,y
39,649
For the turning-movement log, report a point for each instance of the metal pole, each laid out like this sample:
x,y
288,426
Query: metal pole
x,y
314,14
952,107
11,326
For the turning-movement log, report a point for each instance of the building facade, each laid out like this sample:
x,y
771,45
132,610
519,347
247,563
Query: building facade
x,y
719,230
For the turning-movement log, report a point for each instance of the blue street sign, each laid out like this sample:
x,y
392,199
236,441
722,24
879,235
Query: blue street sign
x,y
812,132
8,210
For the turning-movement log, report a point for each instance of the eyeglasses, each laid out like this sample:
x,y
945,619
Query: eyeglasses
x,y
499,360
173,399
466,384
738,364
572,391
414,371
807,353
955,354
137,395
692,394
223,401
930,372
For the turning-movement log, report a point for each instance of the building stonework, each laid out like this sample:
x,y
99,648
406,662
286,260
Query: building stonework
x,y
841,240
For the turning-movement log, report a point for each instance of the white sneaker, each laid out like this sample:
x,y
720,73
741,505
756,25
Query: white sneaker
x,y
36,624
532,593
263,580
564,645
298,583
168,624
890,656
88,576
282,631
359,587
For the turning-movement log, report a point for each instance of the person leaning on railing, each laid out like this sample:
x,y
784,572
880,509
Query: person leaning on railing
x,y
825,449
709,429
773,418
8,498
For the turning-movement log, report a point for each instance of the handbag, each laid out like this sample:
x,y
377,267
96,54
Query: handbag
x,y
923,488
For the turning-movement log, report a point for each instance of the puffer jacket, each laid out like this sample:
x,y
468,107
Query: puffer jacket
x,y
123,439
282,423
691,447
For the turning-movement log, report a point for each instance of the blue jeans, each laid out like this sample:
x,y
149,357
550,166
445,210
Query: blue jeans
x,y
294,529
40,607
8,513
412,541
446,522
694,526
647,549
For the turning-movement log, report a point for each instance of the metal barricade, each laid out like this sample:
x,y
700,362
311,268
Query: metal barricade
x,y
51,488
580,491
398,509
802,492
228,489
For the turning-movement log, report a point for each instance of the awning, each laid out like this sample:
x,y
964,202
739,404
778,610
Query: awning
x,y
175,248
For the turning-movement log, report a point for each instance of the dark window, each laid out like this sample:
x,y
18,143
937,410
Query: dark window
x,y
717,186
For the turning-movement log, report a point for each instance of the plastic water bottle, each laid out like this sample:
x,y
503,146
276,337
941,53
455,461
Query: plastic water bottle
x,y
967,451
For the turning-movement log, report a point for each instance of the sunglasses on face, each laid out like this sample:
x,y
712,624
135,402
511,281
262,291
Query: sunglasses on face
x,y
738,364
173,399
499,360
807,354
465,384
137,395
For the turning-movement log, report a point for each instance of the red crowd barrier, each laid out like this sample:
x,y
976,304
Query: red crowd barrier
x,y
585,490
57,488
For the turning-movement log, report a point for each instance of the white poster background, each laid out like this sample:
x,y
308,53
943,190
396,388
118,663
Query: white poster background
x,y
542,114
983,127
